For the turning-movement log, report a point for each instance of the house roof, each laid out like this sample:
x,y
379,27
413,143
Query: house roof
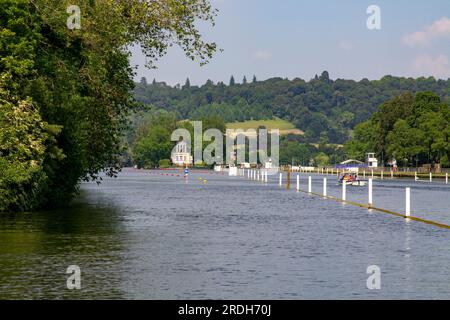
x,y
352,161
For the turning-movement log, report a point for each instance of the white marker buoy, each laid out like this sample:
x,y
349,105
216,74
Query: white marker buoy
x,y
325,187
281,179
370,193
408,202
344,190
431,177
309,184
446,178
298,183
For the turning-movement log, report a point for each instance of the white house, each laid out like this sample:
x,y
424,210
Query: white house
x,y
181,155
372,161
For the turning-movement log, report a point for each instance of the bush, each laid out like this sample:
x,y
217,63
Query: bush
x,y
164,163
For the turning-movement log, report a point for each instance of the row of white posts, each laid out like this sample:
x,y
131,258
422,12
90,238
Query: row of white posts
x,y
344,192
258,175
262,175
331,171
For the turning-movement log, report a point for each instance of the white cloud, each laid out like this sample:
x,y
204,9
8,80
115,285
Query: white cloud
x,y
439,29
425,65
345,45
263,55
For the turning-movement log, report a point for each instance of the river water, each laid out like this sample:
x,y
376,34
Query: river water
x,y
150,236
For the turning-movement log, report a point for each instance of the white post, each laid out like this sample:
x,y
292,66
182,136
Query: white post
x,y
408,202
309,184
298,183
372,173
431,177
446,178
266,176
257,175
281,179
364,174
415,176
344,190
324,187
392,174
370,193
382,174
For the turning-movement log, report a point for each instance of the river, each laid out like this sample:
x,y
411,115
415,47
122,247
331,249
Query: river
x,y
151,236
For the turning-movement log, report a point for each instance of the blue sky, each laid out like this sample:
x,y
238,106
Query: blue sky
x,y
295,38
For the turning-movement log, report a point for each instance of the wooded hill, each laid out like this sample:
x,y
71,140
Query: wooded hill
x,y
318,107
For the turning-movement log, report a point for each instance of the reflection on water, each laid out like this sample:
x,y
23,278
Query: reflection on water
x,y
36,249
156,237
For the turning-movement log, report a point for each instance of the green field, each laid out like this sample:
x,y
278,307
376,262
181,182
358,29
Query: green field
x,y
284,126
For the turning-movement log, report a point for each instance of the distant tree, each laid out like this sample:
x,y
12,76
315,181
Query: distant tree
x,y
323,140
325,77
244,81
143,81
232,82
405,142
187,84
364,141
254,79
154,147
321,159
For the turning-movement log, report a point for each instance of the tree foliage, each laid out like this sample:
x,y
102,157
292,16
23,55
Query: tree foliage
x,y
72,88
413,129
316,106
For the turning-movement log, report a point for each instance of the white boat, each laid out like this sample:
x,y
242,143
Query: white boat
x,y
357,183
352,179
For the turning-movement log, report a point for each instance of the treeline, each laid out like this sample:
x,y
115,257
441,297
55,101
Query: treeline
x,y
65,88
412,129
150,143
321,106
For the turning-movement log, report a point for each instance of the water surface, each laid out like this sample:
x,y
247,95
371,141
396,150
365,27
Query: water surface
x,y
147,236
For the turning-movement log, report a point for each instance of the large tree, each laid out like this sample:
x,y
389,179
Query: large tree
x,y
79,81
409,128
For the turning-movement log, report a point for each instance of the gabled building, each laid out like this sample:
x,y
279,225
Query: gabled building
x,y
181,155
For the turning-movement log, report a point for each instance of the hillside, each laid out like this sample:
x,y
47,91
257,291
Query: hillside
x,y
284,126
321,106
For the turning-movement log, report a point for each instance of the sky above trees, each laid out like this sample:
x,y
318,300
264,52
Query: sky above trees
x,y
292,38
